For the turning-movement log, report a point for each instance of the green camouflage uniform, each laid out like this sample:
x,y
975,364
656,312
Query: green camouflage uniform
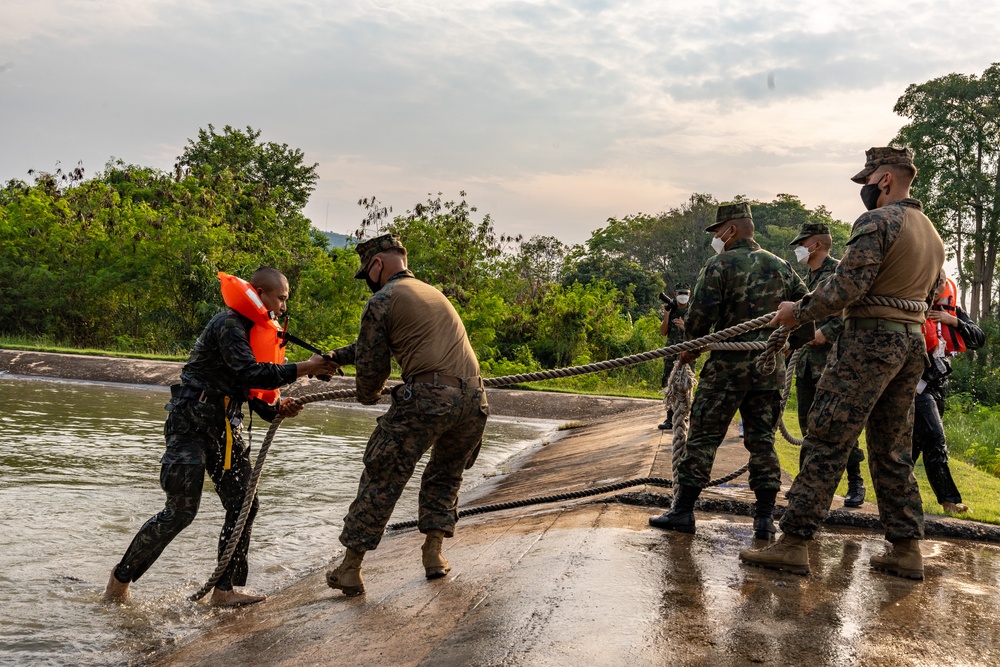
x,y
812,358
741,284
221,365
448,420
674,335
870,378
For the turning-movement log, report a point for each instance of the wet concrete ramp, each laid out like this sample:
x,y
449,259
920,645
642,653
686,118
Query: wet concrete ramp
x,y
590,583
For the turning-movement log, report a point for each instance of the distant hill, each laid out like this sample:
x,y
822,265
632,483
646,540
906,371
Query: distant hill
x,y
336,240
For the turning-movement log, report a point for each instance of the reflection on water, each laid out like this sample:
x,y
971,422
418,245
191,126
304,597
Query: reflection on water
x,y
79,473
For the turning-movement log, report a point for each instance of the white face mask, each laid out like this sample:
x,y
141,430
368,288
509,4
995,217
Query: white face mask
x,y
802,254
682,299
718,245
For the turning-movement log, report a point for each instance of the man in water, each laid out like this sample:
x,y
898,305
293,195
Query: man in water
x,y
203,427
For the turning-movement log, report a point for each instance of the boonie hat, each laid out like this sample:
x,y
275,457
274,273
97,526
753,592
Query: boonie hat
x,y
729,212
368,249
810,229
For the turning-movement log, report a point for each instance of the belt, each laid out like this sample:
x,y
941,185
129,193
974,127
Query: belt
x,y
450,380
200,395
878,324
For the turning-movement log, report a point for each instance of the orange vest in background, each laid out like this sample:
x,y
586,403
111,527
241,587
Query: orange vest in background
x,y
934,332
265,338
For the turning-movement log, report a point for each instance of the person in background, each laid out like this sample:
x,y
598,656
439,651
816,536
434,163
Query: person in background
x,y
672,327
948,331
812,248
741,282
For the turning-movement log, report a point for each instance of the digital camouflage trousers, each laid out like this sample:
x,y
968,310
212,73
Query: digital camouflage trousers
x,y
869,384
447,420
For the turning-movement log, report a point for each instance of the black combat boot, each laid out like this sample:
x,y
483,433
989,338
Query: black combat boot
x,y
855,486
668,423
681,515
763,515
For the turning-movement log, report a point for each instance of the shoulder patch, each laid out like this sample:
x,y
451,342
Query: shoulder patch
x,y
866,224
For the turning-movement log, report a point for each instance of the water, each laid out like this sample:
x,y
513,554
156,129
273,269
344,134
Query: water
x,y
79,474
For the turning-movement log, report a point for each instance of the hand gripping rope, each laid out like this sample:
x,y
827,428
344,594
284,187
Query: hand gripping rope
x,y
714,340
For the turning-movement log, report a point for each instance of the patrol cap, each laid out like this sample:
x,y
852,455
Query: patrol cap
x,y
876,157
368,249
810,229
729,212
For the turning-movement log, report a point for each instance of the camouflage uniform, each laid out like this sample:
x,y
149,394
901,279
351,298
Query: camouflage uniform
x,y
812,358
872,373
674,335
221,369
427,411
742,283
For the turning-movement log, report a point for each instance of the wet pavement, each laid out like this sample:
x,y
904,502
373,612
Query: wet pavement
x,y
588,582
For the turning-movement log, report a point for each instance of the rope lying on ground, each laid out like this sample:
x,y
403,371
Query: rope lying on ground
x,y
714,338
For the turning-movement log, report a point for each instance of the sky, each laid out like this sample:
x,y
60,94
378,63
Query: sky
x,y
552,116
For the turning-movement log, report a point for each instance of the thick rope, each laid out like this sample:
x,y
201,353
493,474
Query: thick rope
x,y
709,340
678,398
571,495
789,374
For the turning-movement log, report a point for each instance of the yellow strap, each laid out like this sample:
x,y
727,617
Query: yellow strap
x,y
228,462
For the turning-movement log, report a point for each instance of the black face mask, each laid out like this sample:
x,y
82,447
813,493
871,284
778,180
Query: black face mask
x,y
374,285
869,195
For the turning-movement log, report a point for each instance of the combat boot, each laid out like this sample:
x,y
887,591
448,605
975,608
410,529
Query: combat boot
x,y
435,564
903,560
855,486
789,553
681,515
347,576
763,515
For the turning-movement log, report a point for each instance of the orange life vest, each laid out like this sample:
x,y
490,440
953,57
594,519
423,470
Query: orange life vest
x,y
265,338
935,332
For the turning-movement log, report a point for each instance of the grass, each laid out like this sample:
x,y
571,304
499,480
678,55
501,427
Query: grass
x,y
980,490
35,346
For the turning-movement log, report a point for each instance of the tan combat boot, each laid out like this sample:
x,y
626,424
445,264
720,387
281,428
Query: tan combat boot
x,y
347,576
435,564
903,560
789,553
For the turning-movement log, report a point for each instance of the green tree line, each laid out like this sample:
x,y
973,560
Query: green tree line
x,y
126,259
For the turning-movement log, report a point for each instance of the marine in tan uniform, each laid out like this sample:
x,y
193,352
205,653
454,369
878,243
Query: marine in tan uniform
x,y
440,406
873,371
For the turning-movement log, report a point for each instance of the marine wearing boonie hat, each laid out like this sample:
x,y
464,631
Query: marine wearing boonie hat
x,y
810,229
368,249
876,157
729,212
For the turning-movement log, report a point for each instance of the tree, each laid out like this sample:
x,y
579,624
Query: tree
x,y
672,243
777,222
279,172
447,247
954,130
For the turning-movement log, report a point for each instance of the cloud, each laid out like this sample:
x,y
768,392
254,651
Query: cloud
x,y
557,113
